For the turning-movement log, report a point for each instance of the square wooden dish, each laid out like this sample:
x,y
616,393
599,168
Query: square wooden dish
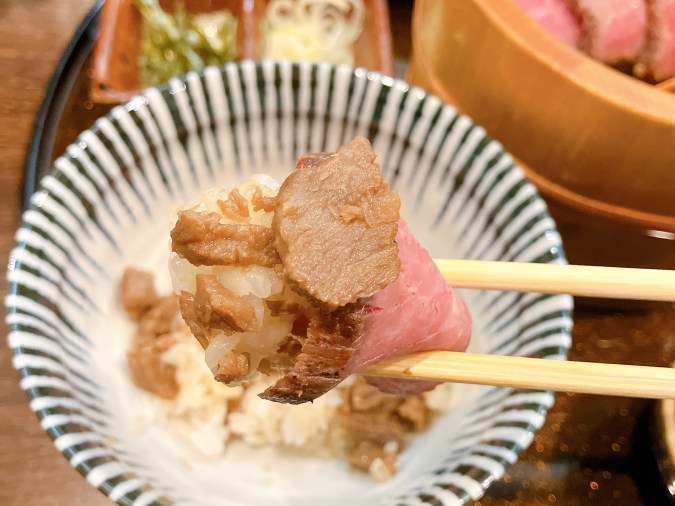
x,y
117,75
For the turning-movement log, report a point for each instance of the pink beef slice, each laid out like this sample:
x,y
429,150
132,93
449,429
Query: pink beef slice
x,y
612,30
556,17
376,291
658,59
418,312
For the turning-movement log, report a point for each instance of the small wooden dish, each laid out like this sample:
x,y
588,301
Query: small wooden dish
x,y
590,138
117,73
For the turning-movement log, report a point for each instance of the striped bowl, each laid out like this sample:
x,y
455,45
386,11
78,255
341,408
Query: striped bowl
x,y
105,206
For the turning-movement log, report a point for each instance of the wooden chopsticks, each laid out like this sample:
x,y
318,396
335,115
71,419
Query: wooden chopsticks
x,y
534,373
606,282
531,373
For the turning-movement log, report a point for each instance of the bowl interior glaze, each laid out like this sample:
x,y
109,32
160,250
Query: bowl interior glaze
x,y
106,205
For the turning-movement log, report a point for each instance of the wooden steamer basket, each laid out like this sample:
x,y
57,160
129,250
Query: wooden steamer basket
x,y
598,144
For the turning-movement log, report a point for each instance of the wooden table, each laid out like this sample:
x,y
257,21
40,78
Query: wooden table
x,y
33,33
592,450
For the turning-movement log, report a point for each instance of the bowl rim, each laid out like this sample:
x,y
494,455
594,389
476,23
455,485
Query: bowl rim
x,y
501,12
33,393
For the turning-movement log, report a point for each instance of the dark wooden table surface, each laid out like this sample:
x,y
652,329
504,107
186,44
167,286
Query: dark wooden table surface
x,y
592,450
33,33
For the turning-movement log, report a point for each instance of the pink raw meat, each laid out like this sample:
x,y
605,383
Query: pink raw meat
x,y
418,312
658,58
613,30
556,17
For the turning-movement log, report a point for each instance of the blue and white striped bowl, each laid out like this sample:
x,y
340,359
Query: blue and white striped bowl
x,y
105,206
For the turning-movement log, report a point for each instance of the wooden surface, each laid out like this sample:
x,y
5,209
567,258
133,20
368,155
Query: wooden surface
x,y
33,33
582,280
531,373
117,77
592,449
579,125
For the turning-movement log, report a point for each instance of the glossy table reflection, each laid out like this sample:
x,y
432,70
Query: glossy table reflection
x,y
597,449
592,450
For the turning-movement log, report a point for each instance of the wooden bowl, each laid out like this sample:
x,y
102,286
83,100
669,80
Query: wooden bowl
x,y
590,138
117,73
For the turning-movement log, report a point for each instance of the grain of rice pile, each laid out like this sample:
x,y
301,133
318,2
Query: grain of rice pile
x,y
195,415
202,404
166,360
255,284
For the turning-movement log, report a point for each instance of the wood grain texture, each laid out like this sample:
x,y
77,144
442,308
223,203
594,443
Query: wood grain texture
x,y
532,374
33,34
33,472
577,124
581,280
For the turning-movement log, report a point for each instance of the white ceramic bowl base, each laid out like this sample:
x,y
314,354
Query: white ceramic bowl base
x,y
106,206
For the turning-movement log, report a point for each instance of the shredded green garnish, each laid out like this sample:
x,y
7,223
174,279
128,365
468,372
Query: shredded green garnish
x,y
174,44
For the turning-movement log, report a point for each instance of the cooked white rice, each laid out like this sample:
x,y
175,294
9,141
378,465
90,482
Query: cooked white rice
x,y
254,283
199,413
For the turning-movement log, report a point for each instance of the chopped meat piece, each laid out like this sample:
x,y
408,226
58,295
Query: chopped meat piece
x,y
556,17
658,57
418,311
214,307
235,207
372,292
189,311
218,304
203,240
161,319
612,30
153,337
377,427
335,225
150,372
232,366
291,347
259,202
365,454
300,326
312,160
364,397
321,364
283,308
415,411
138,292
377,424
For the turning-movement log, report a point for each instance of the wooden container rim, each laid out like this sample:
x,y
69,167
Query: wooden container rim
x,y
382,52
502,13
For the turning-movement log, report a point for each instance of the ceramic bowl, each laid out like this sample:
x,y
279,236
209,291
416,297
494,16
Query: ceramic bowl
x,y
593,140
105,206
